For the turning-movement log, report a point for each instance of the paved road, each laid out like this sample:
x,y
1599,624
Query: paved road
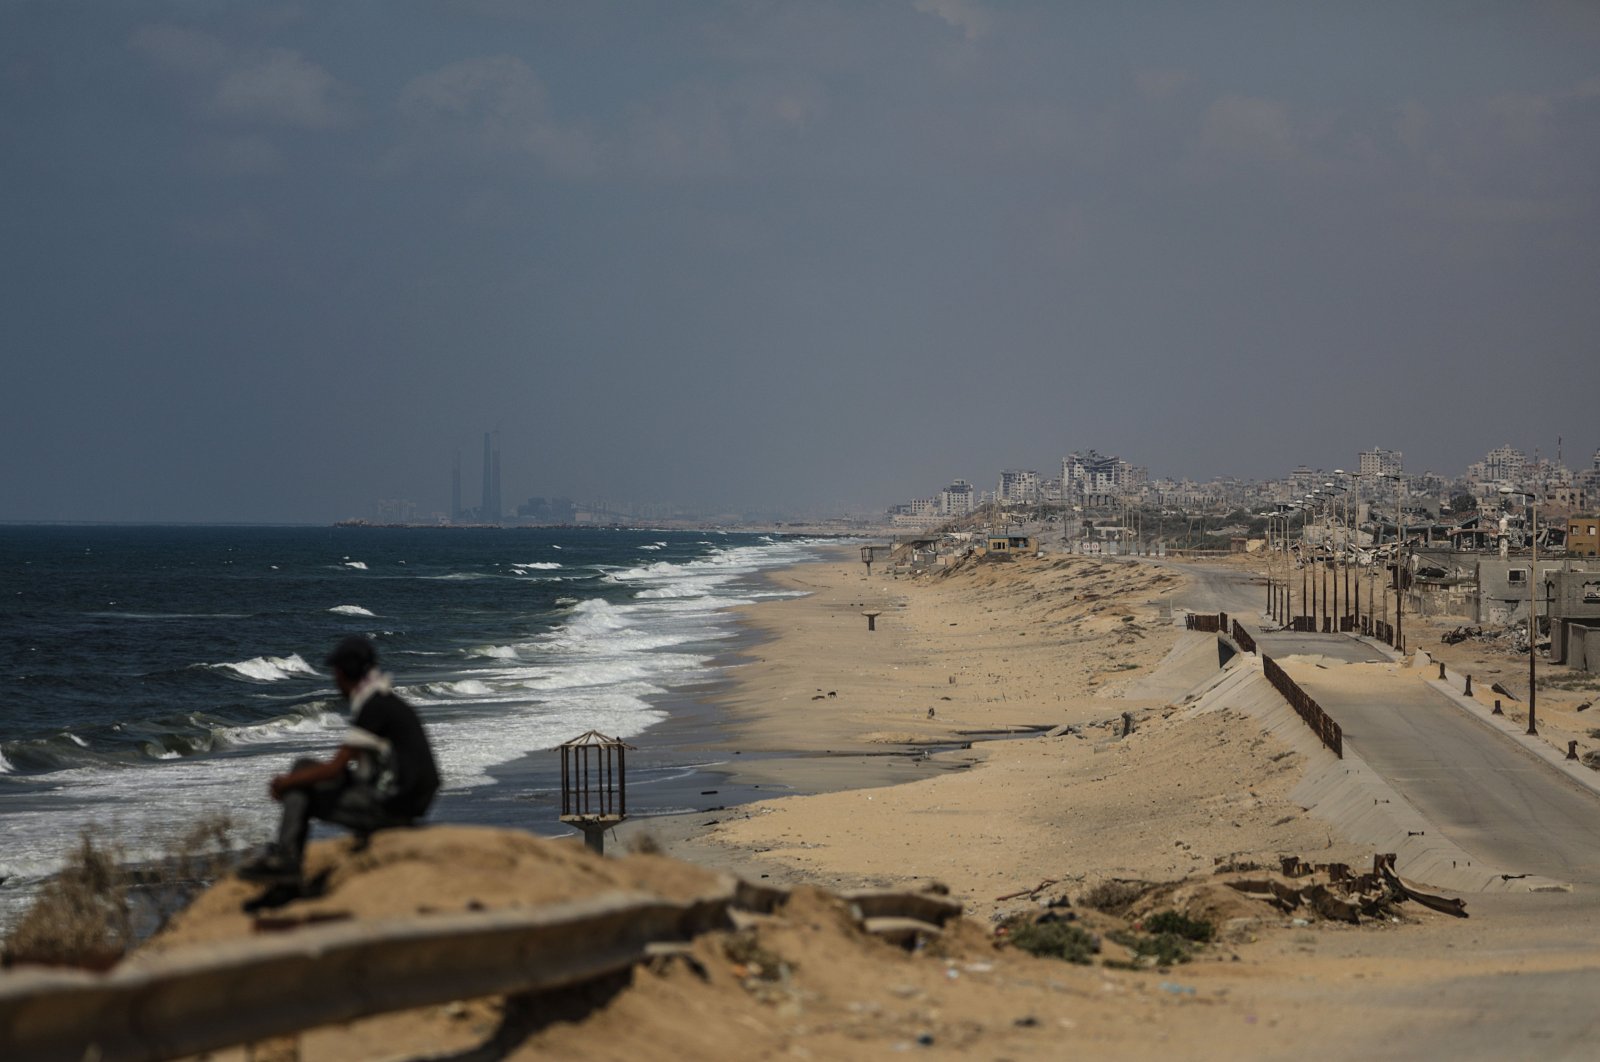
x,y
1480,789
1220,590
1476,786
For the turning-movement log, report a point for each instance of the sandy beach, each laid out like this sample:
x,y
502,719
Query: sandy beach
x,y
1023,646
885,744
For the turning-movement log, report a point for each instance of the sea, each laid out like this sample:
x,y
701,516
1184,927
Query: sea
x,y
156,676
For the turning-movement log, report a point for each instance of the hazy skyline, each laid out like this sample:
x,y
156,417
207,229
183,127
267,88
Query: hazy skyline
x,y
277,261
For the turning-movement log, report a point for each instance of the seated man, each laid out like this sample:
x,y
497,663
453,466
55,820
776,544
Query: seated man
x,y
382,775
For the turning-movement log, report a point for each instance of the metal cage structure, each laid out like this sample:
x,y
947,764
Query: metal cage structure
x,y
594,785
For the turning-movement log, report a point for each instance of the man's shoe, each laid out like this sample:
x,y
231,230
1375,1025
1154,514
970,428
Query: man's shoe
x,y
272,868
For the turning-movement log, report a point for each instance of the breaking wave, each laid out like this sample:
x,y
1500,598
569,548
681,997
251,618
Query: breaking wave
x,y
267,668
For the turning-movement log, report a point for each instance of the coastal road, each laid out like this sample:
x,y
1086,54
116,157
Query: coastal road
x,y
1479,788
1219,590
1482,791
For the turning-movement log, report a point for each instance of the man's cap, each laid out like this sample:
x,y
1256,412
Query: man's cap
x,y
353,656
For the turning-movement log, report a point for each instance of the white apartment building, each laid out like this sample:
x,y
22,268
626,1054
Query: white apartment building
x,y
1090,474
1380,462
956,499
1018,487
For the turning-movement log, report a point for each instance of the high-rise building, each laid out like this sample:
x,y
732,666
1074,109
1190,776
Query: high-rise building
x,y
492,510
455,489
483,509
1019,486
496,509
1380,462
1089,475
956,499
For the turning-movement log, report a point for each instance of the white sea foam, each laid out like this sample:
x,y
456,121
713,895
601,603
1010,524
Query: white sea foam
x,y
5,764
75,739
268,668
494,652
462,688
316,720
654,546
351,610
538,566
358,565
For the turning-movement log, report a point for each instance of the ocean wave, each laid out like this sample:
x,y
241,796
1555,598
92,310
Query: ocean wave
x,y
458,688
494,652
687,588
352,610
539,566
307,719
359,566
567,601
5,764
267,668
656,545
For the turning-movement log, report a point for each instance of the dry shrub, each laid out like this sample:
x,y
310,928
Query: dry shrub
x,y
1114,896
81,916
98,906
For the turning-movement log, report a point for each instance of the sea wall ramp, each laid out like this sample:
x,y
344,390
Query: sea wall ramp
x,y
1351,797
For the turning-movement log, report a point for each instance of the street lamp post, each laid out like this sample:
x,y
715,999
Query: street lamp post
x,y
1280,598
1399,575
1533,620
1307,557
1271,590
1288,589
1322,560
1355,529
1338,560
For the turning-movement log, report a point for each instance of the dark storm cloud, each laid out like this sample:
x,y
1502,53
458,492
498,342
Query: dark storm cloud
x,y
277,261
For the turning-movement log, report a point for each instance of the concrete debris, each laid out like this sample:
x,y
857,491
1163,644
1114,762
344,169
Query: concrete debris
x,y
1335,893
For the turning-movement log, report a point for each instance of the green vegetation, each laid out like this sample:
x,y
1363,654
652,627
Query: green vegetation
x,y
1164,949
1197,930
1055,939
1166,938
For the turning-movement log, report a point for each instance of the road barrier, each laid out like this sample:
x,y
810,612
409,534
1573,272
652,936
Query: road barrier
x,y
1242,636
1207,623
1307,709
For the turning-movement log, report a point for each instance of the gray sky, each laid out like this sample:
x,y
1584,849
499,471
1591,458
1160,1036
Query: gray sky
x,y
273,261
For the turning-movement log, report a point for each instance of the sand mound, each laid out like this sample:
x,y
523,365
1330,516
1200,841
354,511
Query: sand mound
x,y
807,973
437,869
